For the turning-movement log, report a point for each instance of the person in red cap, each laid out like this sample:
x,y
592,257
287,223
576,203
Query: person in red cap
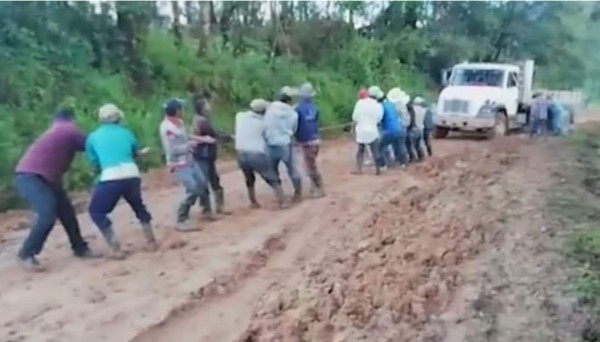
x,y
363,93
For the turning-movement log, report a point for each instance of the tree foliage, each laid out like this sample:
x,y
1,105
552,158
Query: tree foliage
x,y
136,54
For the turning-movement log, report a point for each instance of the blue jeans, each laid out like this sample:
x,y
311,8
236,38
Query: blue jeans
x,y
48,203
396,141
284,154
106,195
538,127
196,188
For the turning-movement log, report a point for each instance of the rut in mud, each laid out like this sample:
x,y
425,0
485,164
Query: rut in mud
x,y
389,258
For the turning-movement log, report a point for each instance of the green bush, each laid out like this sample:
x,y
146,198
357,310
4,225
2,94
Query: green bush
x,y
233,79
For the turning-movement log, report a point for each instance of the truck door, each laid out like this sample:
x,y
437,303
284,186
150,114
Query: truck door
x,y
512,93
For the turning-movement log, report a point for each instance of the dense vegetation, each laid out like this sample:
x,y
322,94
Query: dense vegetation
x,y
136,54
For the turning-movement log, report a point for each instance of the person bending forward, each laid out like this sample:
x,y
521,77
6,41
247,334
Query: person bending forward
x,y
251,151
38,180
112,149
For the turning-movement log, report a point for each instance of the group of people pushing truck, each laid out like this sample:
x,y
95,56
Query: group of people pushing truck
x,y
264,138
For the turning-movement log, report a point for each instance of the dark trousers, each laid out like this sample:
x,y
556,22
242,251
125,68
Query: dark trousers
x,y
106,196
257,163
427,141
375,154
48,202
209,169
396,141
413,145
310,153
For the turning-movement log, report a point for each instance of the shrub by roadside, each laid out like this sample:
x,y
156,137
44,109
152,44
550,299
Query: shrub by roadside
x,y
574,202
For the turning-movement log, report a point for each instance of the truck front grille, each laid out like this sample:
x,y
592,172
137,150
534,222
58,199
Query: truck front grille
x,y
456,106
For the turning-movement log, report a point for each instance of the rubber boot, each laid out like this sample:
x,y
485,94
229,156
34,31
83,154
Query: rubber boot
x,y
252,197
220,201
297,191
113,243
316,190
149,236
207,214
279,195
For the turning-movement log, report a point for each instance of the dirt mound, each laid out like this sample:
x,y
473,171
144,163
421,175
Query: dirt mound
x,y
385,281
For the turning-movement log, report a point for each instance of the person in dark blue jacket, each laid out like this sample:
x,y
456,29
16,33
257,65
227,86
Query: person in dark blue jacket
x,y
309,137
393,133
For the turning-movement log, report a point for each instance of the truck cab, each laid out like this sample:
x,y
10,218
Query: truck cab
x,y
484,97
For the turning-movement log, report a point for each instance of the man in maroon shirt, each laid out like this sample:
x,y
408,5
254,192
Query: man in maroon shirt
x,y
39,182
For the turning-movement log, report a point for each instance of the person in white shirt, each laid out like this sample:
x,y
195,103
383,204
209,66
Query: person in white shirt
x,y
251,148
366,116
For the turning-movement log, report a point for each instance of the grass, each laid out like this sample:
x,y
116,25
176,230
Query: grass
x,y
575,203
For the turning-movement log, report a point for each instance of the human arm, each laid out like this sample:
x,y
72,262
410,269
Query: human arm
x,y
294,117
173,145
136,151
78,139
90,153
200,128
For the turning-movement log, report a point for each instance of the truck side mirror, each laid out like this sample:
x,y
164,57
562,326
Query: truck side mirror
x,y
446,76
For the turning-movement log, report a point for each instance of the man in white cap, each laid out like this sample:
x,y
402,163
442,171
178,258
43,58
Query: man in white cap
x,y
112,149
281,123
308,136
367,116
251,150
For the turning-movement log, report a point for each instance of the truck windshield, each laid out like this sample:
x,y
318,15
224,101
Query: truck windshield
x,y
477,77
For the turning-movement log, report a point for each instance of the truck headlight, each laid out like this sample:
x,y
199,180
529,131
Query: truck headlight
x,y
486,110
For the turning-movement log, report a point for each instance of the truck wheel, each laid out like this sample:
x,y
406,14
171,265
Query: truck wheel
x,y
440,132
500,128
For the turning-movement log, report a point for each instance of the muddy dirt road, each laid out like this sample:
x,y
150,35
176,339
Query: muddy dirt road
x,y
441,251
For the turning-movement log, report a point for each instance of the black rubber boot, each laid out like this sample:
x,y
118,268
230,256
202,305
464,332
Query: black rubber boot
x,y
149,236
252,197
279,195
297,191
220,201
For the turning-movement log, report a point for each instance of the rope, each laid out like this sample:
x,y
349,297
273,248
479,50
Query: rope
x,y
327,128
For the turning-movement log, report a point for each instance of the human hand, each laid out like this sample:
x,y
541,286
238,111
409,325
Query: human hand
x,y
144,151
208,139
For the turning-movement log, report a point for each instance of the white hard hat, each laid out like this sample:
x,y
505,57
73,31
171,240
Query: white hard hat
x,y
395,94
375,92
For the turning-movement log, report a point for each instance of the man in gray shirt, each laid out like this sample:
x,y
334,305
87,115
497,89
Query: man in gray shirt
x,y
538,115
281,122
251,150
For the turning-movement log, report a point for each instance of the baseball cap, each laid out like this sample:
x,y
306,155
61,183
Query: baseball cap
x,y
173,105
109,113
258,105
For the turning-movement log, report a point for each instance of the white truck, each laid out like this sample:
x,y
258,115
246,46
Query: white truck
x,y
490,98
